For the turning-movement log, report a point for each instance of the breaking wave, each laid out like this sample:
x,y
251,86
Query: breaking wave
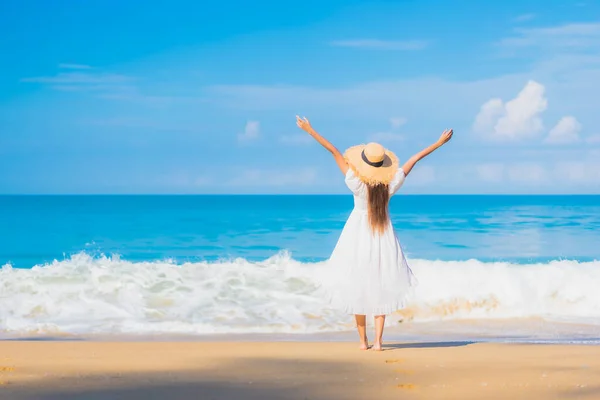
x,y
85,294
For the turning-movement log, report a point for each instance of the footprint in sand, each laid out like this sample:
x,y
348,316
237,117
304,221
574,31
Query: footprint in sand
x,y
408,386
392,361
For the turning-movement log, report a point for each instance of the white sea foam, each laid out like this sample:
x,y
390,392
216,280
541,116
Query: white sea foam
x,y
109,295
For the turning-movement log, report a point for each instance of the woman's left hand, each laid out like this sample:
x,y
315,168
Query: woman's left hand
x,y
303,124
445,137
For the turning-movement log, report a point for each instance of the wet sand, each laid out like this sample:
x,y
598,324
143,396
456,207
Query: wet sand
x,y
295,370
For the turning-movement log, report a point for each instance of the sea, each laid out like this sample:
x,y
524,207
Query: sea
x,y
489,268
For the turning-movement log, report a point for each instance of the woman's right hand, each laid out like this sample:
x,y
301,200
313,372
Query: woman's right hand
x,y
303,124
445,137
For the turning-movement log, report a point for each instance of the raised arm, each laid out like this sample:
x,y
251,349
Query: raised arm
x,y
304,124
408,166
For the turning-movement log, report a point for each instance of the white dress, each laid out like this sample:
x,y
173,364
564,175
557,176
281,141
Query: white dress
x,y
369,274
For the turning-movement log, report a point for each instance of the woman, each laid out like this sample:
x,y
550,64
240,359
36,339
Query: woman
x,y
370,271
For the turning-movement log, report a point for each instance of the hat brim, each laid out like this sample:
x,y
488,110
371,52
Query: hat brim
x,y
367,173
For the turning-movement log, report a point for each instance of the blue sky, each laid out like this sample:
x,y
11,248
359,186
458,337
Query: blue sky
x,y
181,97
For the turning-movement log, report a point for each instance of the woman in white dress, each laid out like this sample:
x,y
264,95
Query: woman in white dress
x,y
368,265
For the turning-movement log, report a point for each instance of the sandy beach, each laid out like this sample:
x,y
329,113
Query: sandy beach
x,y
295,370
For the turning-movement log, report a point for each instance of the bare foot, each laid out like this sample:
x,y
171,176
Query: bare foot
x,y
364,344
377,346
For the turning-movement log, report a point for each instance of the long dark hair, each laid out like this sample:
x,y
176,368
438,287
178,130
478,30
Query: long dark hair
x,y
379,197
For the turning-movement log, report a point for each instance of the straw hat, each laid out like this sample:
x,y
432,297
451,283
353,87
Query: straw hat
x,y
372,163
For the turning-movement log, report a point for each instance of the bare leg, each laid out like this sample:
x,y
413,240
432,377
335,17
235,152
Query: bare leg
x,y
379,323
361,324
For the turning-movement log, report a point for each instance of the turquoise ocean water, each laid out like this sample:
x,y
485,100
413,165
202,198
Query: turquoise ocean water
x,y
250,264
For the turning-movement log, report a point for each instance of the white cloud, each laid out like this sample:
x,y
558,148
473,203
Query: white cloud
x,y
571,76
83,79
386,137
578,172
489,114
568,36
382,44
524,17
377,99
296,139
422,175
391,136
271,177
534,176
516,119
571,48
492,172
397,122
74,66
251,131
148,124
593,139
80,78
572,89
103,85
528,173
566,131
556,177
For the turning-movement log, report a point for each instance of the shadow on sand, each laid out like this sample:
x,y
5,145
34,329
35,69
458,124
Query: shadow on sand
x,y
243,378
425,345
42,339
232,379
250,379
